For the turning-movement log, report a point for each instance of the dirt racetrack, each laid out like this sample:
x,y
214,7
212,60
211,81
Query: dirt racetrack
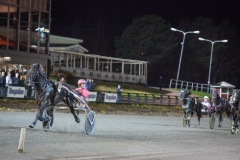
x,y
116,137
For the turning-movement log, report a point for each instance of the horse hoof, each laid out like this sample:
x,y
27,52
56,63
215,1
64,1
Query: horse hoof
x,y
77,120
47,128
31,126
219,126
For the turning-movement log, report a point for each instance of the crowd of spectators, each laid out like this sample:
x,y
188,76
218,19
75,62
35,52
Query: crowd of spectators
x,y
10,78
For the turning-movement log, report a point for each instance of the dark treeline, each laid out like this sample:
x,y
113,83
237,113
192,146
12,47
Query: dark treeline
x,y
151,35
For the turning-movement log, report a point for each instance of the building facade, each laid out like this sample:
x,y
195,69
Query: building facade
x,y
25,39
82,65
24,33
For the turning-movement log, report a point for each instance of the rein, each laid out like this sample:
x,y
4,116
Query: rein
x,y
43,92
217,99
231,105
40,95
79,98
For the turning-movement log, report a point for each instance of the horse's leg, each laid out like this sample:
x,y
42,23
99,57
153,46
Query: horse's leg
x,y
70,105
32,125
198,109
220,119
199,116
237,118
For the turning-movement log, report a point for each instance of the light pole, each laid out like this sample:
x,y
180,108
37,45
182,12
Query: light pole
x,y
184,34
212,42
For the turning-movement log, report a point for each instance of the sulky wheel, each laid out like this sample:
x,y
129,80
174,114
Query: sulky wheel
x,y
233,129
50,113
90,122
212,121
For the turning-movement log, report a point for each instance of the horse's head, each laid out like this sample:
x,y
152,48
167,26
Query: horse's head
x,y
184,94
215,96
235,95
33,74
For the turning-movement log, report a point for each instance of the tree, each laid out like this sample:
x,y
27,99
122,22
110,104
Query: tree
x,y
148,38
196,57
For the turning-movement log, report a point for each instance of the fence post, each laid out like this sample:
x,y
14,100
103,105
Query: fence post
x,y
154,99
181,84
169,100
146,99
129,98
99,96
161,100
176,102
137,99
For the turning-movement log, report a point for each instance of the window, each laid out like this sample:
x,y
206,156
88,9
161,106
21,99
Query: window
x,y
224,90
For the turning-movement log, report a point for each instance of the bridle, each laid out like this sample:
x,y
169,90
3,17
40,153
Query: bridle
x,y
215,99
31,77
184,94
235,96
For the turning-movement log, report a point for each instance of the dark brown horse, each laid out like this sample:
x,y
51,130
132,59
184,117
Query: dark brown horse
x,y
235,110
218,105
189,106
47,96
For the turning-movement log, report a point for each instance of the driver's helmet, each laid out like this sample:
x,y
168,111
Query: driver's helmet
x,y
81,81
206,97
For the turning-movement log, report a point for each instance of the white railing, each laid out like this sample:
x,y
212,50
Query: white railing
x,y
103,75
189,85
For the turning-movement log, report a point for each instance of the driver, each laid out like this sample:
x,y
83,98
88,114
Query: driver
x,y
206,104
82,90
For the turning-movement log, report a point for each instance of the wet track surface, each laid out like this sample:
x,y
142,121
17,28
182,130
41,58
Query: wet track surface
x,y
117,137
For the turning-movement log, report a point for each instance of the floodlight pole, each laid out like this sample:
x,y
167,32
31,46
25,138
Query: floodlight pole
x,y
180,60
212,42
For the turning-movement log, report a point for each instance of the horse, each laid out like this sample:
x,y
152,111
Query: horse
x,y
47,96
235,110
218,105
189,105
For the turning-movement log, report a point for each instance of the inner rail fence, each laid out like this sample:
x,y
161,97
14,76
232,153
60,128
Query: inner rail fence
x,y
202,87
125,98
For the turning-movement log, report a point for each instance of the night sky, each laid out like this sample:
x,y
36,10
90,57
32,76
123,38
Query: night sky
x,y
117,14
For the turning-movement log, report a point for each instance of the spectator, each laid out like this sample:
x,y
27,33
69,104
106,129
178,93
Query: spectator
x,y
12,73
90,85
93,85
160,83
2,84
119,91
8,82
21,81
58,77
15,80
87,84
